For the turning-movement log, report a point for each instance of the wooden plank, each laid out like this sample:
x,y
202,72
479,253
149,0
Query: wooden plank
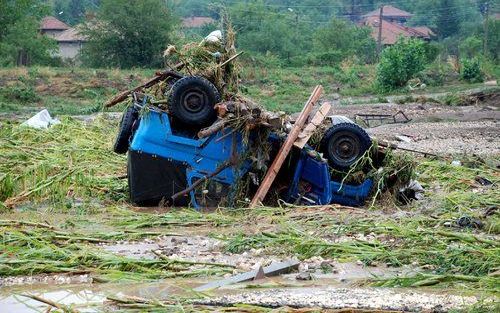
x,y
317,119
159,76
285,148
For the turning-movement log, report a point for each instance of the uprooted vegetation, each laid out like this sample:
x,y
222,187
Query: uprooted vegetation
x,y
69,168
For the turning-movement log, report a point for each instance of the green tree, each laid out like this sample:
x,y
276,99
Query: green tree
x,y
264,29
470,47
20,39
448,21
493,39
76,11
400,63
128,33
342,39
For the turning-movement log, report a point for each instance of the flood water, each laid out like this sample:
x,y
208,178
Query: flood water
x,y
86,297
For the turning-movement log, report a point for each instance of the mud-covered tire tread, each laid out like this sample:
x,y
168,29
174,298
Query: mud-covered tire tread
x,y
125,130
364,138
208,116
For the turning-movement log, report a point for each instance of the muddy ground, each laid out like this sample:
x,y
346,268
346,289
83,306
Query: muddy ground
x,y
325,283
434,128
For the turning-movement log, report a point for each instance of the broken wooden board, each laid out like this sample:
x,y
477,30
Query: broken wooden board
x,y
272,270
308,131
285,148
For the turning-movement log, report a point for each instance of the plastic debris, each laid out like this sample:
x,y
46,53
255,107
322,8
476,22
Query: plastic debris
x,y
41,120
214,37
413,191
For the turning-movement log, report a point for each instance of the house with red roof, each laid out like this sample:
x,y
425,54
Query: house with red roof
x,y
391,14
69,39
52,27
394,25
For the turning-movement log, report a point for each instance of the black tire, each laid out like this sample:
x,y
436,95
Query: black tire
x,y
343,144
129,118
192,101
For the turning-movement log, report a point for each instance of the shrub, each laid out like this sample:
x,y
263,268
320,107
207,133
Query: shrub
x,y
471,46
23,91
400,63
437,74
471,71
432,51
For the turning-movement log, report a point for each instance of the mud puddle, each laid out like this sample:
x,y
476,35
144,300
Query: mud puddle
x,y
88,297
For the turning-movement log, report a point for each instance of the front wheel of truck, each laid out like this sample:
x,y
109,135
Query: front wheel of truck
x,y
343,144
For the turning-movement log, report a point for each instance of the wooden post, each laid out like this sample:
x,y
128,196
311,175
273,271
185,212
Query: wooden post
x,y
285,148
379,40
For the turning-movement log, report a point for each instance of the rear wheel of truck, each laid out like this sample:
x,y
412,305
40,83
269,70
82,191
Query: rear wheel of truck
x,y
129,118
192,101
343,144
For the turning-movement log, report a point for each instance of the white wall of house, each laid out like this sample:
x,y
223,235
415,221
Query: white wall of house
x,y
69,50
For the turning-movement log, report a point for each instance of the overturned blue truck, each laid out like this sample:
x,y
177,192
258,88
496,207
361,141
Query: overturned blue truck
x,y
169,164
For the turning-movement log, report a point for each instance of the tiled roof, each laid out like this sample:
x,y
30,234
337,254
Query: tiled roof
x,y
392,31
389,11
52,23
70,35
425,30
196,21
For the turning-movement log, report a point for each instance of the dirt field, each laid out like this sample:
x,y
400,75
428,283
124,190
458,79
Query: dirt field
x,y
438,129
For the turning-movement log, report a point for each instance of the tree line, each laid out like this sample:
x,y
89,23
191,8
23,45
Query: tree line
x,y
126,34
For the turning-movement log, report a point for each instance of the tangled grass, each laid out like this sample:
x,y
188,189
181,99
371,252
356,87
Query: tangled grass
x,y
66,163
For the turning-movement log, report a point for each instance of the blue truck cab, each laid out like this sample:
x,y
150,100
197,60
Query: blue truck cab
x,y
163,164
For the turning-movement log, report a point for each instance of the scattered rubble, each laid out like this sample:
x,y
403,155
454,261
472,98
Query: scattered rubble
x,y
354,298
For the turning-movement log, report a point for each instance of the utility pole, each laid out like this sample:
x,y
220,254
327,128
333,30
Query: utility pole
x,y
379,40
486,14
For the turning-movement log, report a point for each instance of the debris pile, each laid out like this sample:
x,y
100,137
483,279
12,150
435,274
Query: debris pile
x,y
199,97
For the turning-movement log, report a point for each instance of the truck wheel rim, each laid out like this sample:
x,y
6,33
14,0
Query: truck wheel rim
x,y
345,147
194,101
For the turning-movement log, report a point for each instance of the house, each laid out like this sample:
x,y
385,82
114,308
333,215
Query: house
x,y
70,43
394,26
51,26
391,14
196,21
69,40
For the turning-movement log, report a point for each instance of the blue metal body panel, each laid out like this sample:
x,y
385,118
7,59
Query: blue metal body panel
x,y
203,156
316,174
350,195
154,136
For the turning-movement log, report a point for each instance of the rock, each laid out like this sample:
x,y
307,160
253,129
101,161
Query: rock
x,y
403,138
304,276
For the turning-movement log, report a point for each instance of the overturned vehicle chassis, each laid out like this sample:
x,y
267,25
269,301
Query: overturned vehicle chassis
x,y
169,165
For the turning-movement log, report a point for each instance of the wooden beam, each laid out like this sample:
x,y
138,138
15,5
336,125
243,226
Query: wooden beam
x,y
308,131
159,76
285,148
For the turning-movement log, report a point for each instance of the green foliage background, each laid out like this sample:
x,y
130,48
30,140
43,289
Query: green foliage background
x,y
125,35
400,63
19,23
